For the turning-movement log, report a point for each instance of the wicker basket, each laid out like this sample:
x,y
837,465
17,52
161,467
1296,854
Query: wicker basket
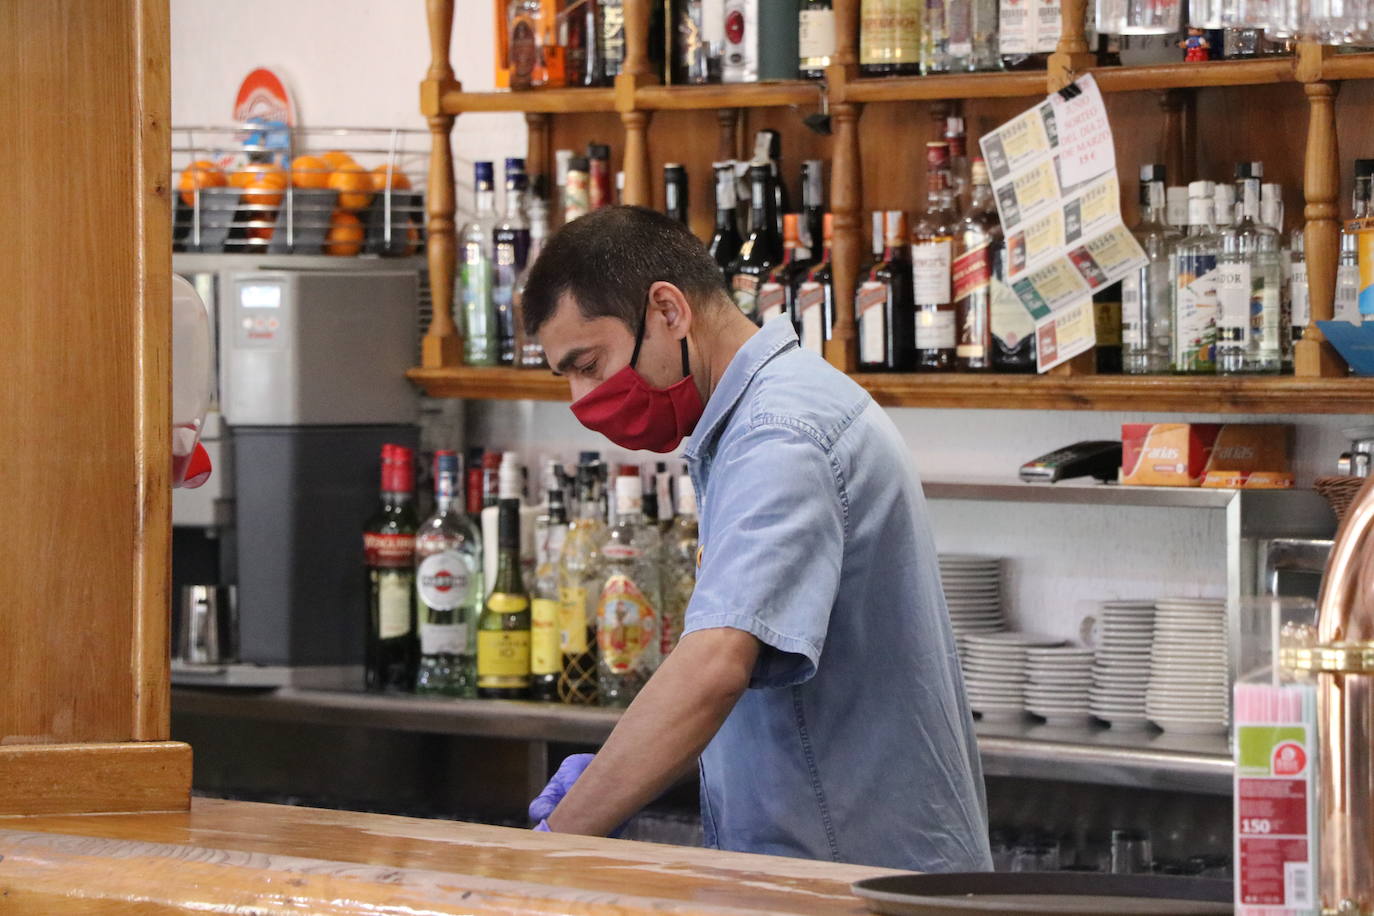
x,y
1339,493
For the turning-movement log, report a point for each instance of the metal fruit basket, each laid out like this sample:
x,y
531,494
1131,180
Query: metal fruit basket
x,y
251,188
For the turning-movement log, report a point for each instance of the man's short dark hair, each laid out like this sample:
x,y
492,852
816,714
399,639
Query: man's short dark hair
x,y
607,260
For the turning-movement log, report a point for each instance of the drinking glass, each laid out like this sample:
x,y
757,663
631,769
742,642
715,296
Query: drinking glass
x,y
1035,857
1138,17
1131,852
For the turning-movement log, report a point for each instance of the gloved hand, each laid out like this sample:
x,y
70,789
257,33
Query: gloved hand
x,y
553,793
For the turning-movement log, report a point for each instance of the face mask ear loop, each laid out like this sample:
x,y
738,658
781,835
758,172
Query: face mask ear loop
x,y
639,335
686,366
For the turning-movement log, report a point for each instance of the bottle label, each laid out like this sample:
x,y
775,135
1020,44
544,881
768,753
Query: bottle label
x,y
1347,306
394,603
1132,314
771,301
443,639
1195,323
613,35
572,620
934,330
930,264
959,25
1011,322
816,37
971,272
1107,322
626,626
1048,22
745,289
1297,292
1014,32
546,653
811,306
619,551
389,551
1266,323
524,54
1233,303
503,658
444,580
871,304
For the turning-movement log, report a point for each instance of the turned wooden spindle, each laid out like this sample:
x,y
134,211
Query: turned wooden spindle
x,y
1314,355
638,186
846,34
847,243
1072,57
728,138
537,151
637,42
1173,152
442,344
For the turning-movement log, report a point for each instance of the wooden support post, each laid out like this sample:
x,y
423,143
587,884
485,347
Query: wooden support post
x,y
847,244
638,184
637,42
443,345
537,152
728,119
1314,355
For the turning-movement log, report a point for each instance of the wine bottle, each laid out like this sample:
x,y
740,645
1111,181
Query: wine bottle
x,y
675,192
389,547
883,305
762,249
503,632
815,297
725,241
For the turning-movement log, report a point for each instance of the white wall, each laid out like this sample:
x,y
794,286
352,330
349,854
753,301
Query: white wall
x,y
359,62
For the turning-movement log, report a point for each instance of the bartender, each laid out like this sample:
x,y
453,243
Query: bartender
x,y
816,684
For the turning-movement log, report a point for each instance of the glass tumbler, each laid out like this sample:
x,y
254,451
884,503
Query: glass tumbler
x,y
1131,852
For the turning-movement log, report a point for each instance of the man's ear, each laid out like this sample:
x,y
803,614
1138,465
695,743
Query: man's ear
x,y
673,307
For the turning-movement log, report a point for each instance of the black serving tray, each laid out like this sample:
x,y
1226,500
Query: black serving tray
x,y
1045,894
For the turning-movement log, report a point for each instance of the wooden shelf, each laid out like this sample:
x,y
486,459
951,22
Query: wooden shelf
x,y
951,86
504,384
1196,75
732,95
1149,393
1348,66
549,101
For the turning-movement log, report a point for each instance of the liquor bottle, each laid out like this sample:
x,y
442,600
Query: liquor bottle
x,y
611,39
627,609
579,567
546,654
935,35
815,297
762,249
1107,329
529,354
932,240
577,190
1271,215
473,500
883,305
1013,328
599,176
524,31
1249,277
1347,303
815,38
478,310
1194,296
725,241
667,506
675,192
579,31
890,37
972,29
775,292
768,148
960,166
1027,32
448,558
1223,205
389,547
510,251
975,237
1145,313
1300,305
760,41
679,566
813,206
694,59
503,631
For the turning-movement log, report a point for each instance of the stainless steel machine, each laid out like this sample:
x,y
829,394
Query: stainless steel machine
x,y
311,361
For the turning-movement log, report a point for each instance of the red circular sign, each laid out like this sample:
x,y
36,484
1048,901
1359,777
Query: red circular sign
x,y
1289,759
734,27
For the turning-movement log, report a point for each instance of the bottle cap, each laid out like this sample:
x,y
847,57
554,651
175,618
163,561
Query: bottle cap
x,y
1200,189
398,470
790,232
1364,168
686,496
514,164
672,167
1249,169
954,126
598,151
588,457
894,230
491,460
510,479
828,226
578,164
1153,172
483,172
445,462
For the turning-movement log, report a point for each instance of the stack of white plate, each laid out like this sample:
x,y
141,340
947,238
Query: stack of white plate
x,y
1189,684
1060,677
1121,669
996,672
973,592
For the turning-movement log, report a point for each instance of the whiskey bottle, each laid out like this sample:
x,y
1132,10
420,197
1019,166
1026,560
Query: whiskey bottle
x,y
890,37
931,251
1249,277
815,38
976,237
883,306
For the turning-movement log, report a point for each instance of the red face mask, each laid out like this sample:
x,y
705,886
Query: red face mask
x,y
634,414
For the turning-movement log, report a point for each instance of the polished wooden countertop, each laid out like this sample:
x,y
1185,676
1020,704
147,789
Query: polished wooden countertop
x,y
239,857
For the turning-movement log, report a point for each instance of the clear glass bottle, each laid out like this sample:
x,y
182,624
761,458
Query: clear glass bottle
x,y
546,654
972,29
675,192
931,246
1194,288
503,630
449,592
960,166
1249,281
679,565
1300,304
627,609
579,579
935,34
976,236
1271,214
1145,306
510,253
530,355
1347,304
392,649
478,314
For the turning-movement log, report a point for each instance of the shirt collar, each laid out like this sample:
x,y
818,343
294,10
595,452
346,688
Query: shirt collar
x,y
773,338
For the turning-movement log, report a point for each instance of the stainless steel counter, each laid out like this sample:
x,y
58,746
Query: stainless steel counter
x,y
1102,756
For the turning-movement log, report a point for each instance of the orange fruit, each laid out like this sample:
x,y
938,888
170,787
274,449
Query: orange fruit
x,y
345,235
261,232
262,185
199,174
354,186
399,181
412,238
334,159
242,177
310,172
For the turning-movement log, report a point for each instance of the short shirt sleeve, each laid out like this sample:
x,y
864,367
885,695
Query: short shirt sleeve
x,y
772,548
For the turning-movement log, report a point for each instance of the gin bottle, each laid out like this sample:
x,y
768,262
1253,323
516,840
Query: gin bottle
x,y
448,557
628,630
510,249
1145,325
1194,295
478,313
1249,277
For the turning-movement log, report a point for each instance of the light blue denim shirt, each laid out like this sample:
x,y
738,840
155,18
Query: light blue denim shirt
x,y
854,742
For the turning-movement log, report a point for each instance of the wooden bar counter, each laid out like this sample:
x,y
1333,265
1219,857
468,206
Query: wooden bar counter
x,y
240,857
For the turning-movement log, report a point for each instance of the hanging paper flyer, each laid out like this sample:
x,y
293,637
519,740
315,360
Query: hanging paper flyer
x,y
1053,171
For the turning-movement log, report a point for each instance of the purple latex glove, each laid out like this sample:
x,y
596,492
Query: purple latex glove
x,y
553,793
